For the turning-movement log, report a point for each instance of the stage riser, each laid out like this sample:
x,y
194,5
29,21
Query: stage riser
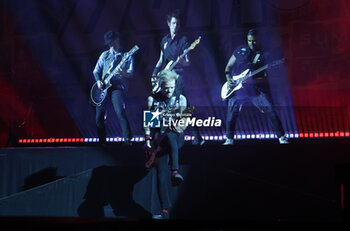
x,y
264,182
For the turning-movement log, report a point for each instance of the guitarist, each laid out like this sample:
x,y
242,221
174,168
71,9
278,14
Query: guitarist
x,y
169,102
255,90
171,47
105,64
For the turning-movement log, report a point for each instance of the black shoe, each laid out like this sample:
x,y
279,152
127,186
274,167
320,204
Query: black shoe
x,y
176,178
161,216
198,141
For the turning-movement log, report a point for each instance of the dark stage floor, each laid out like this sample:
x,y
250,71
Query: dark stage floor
x,y
253,184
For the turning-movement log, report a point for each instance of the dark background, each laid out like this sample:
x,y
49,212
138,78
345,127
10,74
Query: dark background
x,y
49,48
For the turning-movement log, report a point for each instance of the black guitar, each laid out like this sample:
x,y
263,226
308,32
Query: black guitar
x,y
98,95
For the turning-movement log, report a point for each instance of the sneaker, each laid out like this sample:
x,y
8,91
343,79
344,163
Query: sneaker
x,y
198,141
228,141
283,140
163,215
176,177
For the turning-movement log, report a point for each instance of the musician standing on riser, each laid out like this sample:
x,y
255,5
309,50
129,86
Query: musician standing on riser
x,y
255,90
107,61
166,100
171,47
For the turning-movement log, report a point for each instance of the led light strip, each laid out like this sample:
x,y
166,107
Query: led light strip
x,y
187,138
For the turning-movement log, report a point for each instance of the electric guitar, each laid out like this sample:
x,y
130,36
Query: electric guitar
x,y
171,64
238,80
98,95
151,154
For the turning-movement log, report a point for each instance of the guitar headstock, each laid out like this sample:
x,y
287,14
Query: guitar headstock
x,y
195,43
132,51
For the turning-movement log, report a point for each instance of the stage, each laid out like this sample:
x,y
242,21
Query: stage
x,y
261,181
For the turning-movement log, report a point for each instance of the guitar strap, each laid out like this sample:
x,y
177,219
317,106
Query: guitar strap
x,y
256,58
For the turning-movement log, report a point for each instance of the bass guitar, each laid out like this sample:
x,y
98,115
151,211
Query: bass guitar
x,y
151,154
238,80
98,95
171,64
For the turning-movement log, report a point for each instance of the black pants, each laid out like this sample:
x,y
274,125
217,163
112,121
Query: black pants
x,y
172,144
262,102
117,98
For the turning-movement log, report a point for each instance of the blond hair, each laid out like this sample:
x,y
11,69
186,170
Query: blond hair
x,y
167,76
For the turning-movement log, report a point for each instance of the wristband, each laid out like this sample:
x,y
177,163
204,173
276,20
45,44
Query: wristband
x,y
147,137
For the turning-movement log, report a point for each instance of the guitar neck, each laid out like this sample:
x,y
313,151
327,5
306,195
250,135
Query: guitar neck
x,y
110,76
178,59
259,70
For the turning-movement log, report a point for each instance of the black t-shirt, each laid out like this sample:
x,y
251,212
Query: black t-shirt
x,y
172,48
245,60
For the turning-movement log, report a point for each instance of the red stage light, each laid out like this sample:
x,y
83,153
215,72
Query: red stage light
x,y
20,141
